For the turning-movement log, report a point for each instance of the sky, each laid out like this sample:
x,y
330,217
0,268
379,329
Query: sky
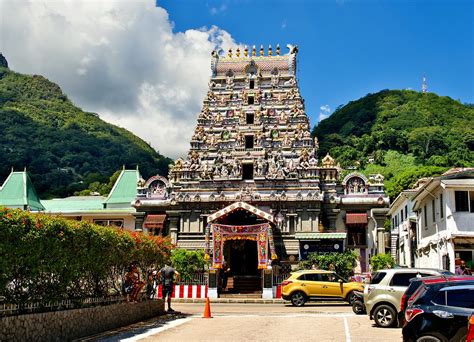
x,y
145,64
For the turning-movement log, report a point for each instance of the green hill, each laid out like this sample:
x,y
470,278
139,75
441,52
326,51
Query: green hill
x,y
395,131
64,148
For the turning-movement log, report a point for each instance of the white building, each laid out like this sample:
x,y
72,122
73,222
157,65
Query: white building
x,y
403,228
445,220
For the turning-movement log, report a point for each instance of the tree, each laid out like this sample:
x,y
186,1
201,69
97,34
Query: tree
x,y
381,261
188,263
343,263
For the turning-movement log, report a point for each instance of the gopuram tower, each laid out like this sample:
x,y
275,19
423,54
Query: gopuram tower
x,y
252,189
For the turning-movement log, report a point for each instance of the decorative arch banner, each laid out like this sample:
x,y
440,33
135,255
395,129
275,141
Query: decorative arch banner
x,y
261,233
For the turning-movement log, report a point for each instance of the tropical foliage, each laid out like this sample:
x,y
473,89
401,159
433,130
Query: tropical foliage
x,y
399,132
187,262
342,263
64,148
380,261
48,258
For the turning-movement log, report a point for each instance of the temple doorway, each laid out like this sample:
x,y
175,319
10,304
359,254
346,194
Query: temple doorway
x,y
243,260
244,276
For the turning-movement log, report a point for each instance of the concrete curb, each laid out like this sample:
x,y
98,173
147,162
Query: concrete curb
x,y
249,301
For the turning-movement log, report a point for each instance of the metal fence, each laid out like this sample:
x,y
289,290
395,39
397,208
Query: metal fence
x,y
199,278
7,309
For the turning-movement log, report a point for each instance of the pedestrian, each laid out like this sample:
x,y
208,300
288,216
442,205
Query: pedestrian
x,y
127,284
167,274
150,284
462,269
137,283
224,274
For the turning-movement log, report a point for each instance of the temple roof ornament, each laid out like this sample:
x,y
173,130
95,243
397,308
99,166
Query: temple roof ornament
x,y
328,162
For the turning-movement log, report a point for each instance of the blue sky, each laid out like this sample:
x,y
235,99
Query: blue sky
x,y
350,48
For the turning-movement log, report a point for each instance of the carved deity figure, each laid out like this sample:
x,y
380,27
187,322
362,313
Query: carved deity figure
x,y
229,81
275,80
195,161
304,159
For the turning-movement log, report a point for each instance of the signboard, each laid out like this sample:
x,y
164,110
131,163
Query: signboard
x,y
320,246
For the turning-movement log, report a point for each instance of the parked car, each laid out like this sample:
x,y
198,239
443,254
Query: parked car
x,y
440,312
306,285
415,283
383,295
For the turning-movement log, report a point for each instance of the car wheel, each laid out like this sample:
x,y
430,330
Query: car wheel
x,y
385,316
350,297
358,307
430,338
298,298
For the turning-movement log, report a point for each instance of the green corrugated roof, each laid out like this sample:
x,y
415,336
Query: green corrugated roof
x,y
18,192
312,236
74,204
125,188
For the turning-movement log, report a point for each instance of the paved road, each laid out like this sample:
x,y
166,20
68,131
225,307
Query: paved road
x,y
263,322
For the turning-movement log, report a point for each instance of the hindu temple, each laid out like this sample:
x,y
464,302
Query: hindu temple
x,y
253,190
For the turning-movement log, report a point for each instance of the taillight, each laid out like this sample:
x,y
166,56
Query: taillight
x,y
470,332
402,303
286,282
412,313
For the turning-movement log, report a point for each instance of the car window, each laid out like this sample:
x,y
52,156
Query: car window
x,y
402,279
331,277
377,278
309,277
461,298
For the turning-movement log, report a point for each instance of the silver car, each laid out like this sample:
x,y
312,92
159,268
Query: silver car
x,y
382,297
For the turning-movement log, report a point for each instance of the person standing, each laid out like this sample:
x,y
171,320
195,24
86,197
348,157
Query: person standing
x,y
461,269
168,274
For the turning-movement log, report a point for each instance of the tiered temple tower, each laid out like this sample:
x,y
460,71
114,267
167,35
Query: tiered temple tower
x,y
252,168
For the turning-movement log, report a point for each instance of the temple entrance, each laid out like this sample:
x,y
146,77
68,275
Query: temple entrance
x,y
241,241
244,277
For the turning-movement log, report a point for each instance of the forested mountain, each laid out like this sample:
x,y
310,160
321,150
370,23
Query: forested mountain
x,y
400,133
64,148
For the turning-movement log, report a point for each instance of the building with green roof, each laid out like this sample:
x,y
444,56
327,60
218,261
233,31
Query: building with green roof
x,y
114,210
18,192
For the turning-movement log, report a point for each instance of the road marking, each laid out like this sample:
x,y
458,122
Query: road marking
x,y
346,329
233,315
154,331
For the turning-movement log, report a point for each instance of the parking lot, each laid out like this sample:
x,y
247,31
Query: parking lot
x,y
266,322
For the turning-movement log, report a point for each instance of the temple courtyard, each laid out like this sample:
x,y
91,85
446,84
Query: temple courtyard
x,y
258,322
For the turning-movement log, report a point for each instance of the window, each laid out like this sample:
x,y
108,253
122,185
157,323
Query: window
x,y
433,213
441,206
471,200
247,170
251,100
249,141
425,217
401,215
406,211
377,278
329,277
250,118
461,298
461,199
310,277
252,84
112,223
402,279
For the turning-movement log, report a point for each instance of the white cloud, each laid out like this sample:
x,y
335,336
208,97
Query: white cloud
x,y
324,113
283,24
118,58
216,10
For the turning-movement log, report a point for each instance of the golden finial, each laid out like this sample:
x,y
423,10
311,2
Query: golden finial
x,y
246,51
261,50
270,52
254,51
237,52
278,50
229,54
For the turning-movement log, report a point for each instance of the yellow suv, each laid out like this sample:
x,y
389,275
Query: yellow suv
x,y
306,285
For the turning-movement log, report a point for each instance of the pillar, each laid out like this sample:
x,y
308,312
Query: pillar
x,y
174,220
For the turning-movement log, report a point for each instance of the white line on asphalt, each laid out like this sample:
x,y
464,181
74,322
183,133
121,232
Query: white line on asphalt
x,y
232,315
346,329
154,331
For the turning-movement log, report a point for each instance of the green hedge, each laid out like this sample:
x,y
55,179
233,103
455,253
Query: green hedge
x,y
45,258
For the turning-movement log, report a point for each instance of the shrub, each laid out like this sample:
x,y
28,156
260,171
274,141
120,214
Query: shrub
x,y
343,262
381,261
47,258
187,263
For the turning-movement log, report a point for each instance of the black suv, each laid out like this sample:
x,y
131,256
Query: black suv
x,y
439,311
